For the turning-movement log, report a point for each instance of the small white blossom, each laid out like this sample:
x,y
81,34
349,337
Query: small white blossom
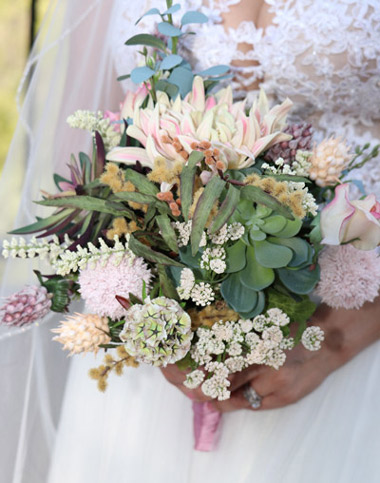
x,y
235,231
278,317
246,325
275,358
194,379
312,338
184,232
187,281
234,349
235,364
202,294
220,237
272,336
259,323
287,343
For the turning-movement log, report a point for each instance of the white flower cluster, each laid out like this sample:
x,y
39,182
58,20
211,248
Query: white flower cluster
x,y
72,261
308,200
312,338
213,259
230,347
300,167
44,248
95,121
200,293
234,231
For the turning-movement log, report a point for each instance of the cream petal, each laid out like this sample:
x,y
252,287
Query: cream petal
x,y
335,215
130,156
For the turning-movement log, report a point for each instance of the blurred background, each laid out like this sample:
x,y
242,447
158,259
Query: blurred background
x,y
19,23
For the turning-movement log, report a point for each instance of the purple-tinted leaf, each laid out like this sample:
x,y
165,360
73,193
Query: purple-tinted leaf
x,y
100,155
57,228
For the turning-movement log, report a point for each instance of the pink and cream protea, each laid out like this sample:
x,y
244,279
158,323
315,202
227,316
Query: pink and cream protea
x,y
356,222
168,129
133,102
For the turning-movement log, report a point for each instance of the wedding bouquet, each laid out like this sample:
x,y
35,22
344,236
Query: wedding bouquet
x,y
199,227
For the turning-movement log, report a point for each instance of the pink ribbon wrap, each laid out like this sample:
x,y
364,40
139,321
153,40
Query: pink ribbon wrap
x,y
206,426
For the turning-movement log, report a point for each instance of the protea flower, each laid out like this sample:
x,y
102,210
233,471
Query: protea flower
x,y
329,159
157,332
82,333
32,303
301,139
170,128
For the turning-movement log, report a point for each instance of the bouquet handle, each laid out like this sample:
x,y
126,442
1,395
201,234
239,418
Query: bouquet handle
x,y
207,422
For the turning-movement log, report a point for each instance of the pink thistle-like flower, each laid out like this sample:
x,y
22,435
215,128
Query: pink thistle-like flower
x,y
25,307
100,284
349,277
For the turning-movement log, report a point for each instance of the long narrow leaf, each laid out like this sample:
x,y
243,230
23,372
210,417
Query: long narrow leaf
x,y
148,40
100,155
88,203
141,182
42,224
227,208
257,195
167,232
187,182
61,226
135,196
204,206
166,284
146,252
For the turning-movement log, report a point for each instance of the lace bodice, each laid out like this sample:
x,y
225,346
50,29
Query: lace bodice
x,y
323,54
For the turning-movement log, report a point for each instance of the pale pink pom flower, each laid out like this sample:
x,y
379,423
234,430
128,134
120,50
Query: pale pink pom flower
x,y
32,303
100,284
349,277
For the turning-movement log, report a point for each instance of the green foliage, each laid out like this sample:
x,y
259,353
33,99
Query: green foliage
x,y
167,232
146,252
297,310
59,287
187,181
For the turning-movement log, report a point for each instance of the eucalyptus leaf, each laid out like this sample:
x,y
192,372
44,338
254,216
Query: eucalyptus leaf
x,y
187,181
141,74
170,61
152,11
272,256
216,70
254,275
146,252
148,40
237,296
227,208
166,28
193,17
173,9
171,89
203,208
183,78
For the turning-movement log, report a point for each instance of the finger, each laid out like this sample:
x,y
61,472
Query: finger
x,y
234,403
242,378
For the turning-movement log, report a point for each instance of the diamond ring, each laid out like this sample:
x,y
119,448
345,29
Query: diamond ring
x,y
252,397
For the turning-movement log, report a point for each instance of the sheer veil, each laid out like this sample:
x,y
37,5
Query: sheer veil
x,y
69,68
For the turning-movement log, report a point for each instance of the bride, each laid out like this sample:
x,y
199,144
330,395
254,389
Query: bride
x,y
323,421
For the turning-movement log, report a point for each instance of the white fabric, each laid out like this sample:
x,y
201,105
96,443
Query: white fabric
x,y
140,429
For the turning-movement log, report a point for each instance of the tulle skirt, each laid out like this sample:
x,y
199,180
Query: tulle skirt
x,y
140,430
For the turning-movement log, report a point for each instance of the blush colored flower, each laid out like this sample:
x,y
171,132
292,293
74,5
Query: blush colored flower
x,y
99,284
349,277
356,222
32,303
328,161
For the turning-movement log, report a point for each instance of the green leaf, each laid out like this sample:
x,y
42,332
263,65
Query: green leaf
x,y
256,235
187,182
167,232
202,211
186,363
215,71
299,281
257,309
301,249
254,275
135,197
88,203
141,74
193,17
183,78
272,256
148,40
238,297
146,252
42,224
173,9
188,259
273,224
236,257
170,61
85,164
59,287
291,228
170,89
166,28
257,195
227,208
166,284
58,179
141,182
298,311
151,11
123,77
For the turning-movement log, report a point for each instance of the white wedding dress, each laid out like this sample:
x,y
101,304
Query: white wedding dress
x,y
324,55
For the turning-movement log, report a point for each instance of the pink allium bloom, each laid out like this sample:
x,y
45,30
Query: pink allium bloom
x,y
100,284
25,307
349,277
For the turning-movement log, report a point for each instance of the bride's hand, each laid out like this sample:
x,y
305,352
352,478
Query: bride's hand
x,y
347,332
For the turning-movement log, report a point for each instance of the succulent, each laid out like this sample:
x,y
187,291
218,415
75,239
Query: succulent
x,y
268,250
157,332
32,303
82,333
